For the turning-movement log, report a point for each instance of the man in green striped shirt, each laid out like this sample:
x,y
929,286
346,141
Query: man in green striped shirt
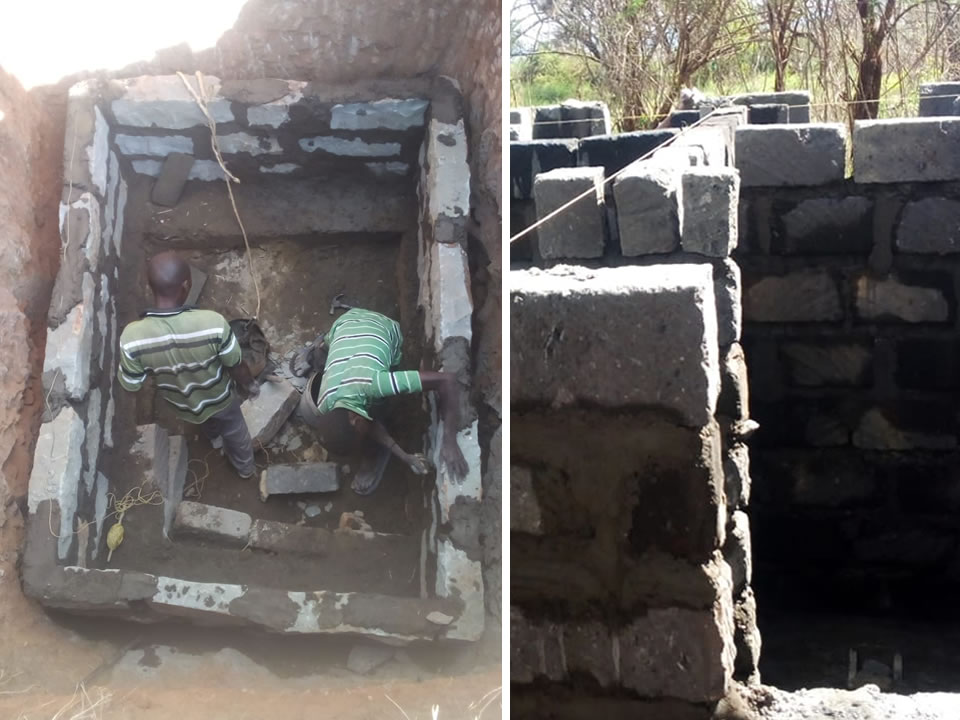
x,y
363,348
194,358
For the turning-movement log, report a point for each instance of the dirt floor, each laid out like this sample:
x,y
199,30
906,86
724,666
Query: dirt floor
x,y
298,279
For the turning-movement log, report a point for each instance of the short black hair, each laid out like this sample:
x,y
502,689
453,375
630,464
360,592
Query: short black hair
x,y
337,435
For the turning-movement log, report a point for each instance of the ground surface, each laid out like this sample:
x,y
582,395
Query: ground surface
x,y
867,703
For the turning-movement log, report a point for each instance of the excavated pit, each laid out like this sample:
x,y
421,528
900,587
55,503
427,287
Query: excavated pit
x,y
362,191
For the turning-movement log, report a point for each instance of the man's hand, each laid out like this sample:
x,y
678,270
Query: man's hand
x,y
418,463
253,390
451,454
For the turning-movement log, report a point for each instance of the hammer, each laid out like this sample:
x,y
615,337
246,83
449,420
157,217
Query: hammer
x,y
337,304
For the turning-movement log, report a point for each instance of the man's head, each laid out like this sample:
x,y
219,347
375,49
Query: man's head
x,y
169,278
343,431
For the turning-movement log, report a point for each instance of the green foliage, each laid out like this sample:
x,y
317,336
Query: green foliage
x,y
548,79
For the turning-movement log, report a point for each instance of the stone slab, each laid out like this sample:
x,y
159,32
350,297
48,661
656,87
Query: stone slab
x,y
198,279
70,347
283,537
387,114
894,300
930,226
906,150
577,232
589,649
316,477
937,98
156,145
648,209
353,147
768,114
826,226
529,159
585,118
209,522
616,337
709,214
747,639
176,479
816,153
797,102
163,101
800,296
152,449
727,289
172,178
615,152
266,413
447,301
447,174
245,143
57,465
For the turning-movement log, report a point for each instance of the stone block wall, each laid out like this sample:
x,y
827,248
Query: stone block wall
x,y
851,325
629,482
569,119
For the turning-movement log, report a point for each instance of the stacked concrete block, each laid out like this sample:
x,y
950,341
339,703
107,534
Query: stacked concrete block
x,y
529,159
578,231
571,119
768,114
521,124
796,103
906,150
615,152
816,153
648,208
938,99
709,212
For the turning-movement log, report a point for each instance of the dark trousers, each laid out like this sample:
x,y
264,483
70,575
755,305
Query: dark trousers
x,y
230,425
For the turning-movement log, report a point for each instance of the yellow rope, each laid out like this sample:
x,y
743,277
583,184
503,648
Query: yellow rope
x,y
228,177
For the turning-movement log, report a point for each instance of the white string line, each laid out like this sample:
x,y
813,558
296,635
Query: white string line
x,y
593,191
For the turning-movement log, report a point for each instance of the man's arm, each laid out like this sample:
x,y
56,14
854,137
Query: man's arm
x,y
448,389
417,463
232,358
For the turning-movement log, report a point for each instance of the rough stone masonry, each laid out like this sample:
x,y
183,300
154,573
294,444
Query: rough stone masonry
x,y
629,478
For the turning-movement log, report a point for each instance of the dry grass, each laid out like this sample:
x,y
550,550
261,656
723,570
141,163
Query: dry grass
x,y
82,705
477,708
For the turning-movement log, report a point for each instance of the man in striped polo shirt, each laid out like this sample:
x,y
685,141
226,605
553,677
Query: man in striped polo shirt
x,y
194,358
362,349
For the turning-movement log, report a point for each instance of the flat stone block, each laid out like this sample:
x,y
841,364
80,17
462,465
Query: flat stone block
x,y
535,649
208,522
245,143
802,296
825,226
930,226
896,300
524,508
283,537
157,145
816,154
273,108
172,178
447,174
737,552
176,479
205,170
746,639
163,101
57,464
734,401
152,449
686,654
585,118
736,476
797,102
709,214
578,231
354,147
589,649
388,114
768,114
616,337
715,144
449,306
70,347
658,579
896,428
648,209
615,152
529,159
827,364
906,150
266,413
299,478
727,288
937,99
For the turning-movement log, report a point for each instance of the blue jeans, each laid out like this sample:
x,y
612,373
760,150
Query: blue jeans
x,y
230,425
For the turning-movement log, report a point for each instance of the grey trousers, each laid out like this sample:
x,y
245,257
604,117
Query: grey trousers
x,y
230,425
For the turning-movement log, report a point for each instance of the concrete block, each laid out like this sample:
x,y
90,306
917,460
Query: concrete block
x,y
163,101
682,118
709,210
57,464
459,576
548,123
92,444
658,579
801,296
529,159
896,300
589,648
286,538
212,523
299,478
70,347
736,473
930,226
578,231
172,178
448,304
817,154
521,124
768,114
893,429
157,145
585,118
388,114
686,654
797,102
240,142
205,170
827,364
152,450
746,639
452,490
937,98
826,226
714,142
525,514
615,152
535,649
727,288
172,490
266,413
906,150
655,346
354,147
727,118
734,400
447,180
737,552
648,209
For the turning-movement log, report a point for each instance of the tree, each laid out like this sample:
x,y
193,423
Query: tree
x,y
784,22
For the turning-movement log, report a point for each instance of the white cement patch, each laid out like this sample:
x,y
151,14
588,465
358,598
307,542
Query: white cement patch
x,y
351,148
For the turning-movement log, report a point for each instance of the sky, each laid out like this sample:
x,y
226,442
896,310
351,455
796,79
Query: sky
x,y
41,41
